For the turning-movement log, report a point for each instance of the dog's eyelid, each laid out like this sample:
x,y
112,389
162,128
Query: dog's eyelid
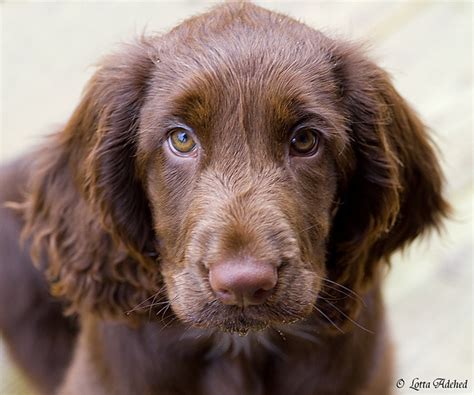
x,y
313,121
169,127
306,125
322,124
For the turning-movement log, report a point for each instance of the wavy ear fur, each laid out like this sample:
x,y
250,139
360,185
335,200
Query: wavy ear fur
x,y
104,264
393,190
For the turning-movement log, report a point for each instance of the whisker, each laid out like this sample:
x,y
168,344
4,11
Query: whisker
x,y
166,305
350,319
151,306
341,291
329,296
139,305
163,310
158,303
350,291
328,318
172,319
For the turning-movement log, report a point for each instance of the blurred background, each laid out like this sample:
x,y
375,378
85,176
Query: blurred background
x,y
48,52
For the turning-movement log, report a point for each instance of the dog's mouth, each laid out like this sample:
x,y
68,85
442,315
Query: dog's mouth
x,y
242,325
242,320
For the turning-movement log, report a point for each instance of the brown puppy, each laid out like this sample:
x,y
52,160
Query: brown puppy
x,y
241,175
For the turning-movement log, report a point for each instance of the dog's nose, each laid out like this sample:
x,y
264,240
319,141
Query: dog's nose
x,y
243,282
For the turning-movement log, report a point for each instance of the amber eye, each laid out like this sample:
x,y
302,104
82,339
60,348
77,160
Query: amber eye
x,y
181,142
304,142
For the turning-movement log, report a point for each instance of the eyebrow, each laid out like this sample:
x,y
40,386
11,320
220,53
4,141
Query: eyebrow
x,y
301,109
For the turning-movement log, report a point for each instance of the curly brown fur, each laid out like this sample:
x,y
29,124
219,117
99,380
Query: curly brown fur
x,y
126,233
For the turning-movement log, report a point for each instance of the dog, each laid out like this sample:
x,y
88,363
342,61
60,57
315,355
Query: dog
x,y
216,218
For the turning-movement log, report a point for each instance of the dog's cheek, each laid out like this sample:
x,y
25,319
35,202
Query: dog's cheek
x,y
316,186
175,294
298,290
184,294
170,188
316,182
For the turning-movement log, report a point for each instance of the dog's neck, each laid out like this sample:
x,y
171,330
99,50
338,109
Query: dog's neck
x,y
148,354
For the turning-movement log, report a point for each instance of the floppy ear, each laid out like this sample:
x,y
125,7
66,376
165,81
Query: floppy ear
x,y
392,191
87,213
107,121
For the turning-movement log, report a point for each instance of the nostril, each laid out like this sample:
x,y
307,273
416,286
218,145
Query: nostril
x,y
226,297
261,292
260,295
283,263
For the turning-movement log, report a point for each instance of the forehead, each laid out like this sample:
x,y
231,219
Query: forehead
x,y
246,77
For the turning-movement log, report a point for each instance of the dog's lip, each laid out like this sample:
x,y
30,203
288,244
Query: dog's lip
x,y
243,330
242,321
239,328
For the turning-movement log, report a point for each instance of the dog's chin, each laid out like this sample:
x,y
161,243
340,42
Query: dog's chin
x,y
241,321
242,326
236,325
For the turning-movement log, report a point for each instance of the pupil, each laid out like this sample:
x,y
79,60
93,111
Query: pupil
x,y
304,138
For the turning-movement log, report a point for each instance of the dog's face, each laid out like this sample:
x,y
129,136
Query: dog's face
x,y
269,168
241,178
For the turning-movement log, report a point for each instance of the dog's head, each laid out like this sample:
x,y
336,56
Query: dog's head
x,y
269,167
